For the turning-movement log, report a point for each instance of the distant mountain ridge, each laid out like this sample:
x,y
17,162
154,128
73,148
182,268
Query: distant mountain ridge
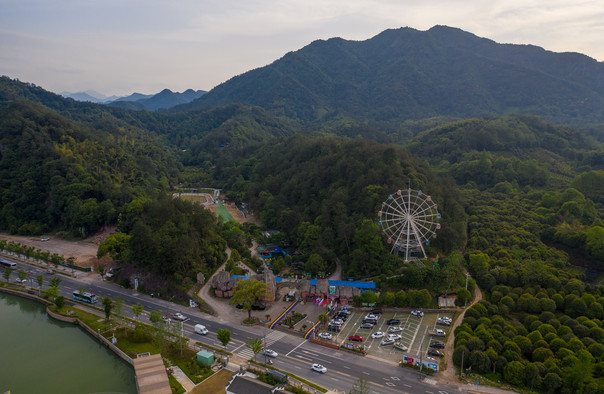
x,y
405,74
152,102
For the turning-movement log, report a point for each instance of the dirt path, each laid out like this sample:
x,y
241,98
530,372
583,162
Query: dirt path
x,y
450,374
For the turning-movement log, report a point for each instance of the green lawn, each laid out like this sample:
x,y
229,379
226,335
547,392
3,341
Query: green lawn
x,y
223,213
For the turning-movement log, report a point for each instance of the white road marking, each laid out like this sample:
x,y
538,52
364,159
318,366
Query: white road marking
x,y
301,343
302,357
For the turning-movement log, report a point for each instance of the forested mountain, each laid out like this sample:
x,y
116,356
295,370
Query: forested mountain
x,y
519,149
164,99
324,193
409,74
59,174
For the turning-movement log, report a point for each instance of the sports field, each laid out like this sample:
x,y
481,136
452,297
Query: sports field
x,y
199,198
223,213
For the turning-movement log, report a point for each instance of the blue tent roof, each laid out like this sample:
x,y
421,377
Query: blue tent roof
x,y
358,285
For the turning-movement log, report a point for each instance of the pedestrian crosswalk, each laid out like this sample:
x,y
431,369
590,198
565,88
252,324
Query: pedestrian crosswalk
x,y
270,338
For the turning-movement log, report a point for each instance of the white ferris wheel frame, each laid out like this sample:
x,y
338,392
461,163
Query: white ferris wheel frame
x,y
409,220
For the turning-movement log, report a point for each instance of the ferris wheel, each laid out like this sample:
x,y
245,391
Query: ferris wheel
x,y
409,219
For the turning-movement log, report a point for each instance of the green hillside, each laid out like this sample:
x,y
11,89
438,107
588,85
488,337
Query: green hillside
x,y
407,74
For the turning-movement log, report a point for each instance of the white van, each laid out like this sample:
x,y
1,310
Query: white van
x,y
201,329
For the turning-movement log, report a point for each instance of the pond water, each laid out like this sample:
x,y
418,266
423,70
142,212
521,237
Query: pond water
x,y
42,355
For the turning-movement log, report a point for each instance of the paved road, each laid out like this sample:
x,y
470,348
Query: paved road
x,y
296,355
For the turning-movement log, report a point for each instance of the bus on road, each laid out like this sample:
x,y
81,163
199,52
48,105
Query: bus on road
x,y
7,264
85,297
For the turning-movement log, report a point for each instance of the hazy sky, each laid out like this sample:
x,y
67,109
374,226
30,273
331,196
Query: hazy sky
x,y
124,46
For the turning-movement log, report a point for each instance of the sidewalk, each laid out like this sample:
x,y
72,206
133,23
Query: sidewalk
x,y
182,378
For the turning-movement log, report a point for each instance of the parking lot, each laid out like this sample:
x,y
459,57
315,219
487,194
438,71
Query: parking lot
x,y
414,334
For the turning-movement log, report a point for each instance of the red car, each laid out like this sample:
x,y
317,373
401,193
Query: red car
x,y
356,338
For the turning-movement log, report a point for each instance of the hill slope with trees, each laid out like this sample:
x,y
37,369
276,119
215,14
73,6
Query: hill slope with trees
x,y
403,74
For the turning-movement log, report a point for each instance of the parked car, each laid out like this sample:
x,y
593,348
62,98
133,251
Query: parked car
x,y
270,353
366,326
400,346
376,311
417,312
387,341
369,321
319,368
444,321
437,333
325,335
434,352
393,322
334,328
395,329
378,334
336,321
437,345
258,306
394,337
179,316
371,317
356,338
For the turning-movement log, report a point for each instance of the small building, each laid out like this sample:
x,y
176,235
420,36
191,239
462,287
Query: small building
x,y
205,358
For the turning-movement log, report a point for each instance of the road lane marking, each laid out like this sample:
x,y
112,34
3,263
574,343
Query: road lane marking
x,y
302,357
366,373
343,374
301,343
346,366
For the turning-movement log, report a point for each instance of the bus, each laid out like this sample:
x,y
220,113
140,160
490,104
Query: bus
x,y
8,264
85,297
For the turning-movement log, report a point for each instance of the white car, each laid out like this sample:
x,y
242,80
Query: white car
x,y
179,316
387,341
270,353
325,335
395,329
394,337
400,346
378,334
417,313
318,368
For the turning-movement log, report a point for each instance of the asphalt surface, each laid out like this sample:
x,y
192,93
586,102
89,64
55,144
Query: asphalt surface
x,y
295,355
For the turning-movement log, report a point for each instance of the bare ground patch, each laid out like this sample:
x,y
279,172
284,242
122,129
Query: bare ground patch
x,y
84,251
